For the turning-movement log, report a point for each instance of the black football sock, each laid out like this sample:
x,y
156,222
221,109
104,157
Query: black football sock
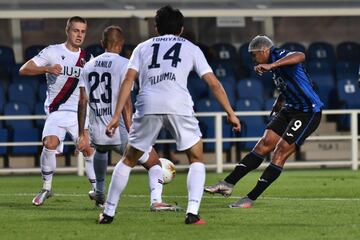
x,y
250,162
270,174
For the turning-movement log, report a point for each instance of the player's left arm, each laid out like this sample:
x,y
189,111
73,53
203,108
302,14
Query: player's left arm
x,y
124,94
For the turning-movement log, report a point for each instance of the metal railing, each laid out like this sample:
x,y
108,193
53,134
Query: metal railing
x,y
219,165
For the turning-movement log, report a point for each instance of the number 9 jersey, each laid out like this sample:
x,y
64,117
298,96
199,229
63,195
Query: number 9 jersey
x,y
102,77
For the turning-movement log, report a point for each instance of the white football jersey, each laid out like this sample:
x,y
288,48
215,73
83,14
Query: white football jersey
x,y
163,64
62,90
102,77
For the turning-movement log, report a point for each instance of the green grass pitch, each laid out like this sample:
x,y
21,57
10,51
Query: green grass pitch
x,y
302,204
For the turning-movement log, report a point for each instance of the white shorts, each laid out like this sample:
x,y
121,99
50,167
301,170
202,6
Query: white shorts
x,y
117,142
145,130
59,123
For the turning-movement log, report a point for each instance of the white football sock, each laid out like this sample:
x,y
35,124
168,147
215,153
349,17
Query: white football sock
x,y
100,166
155,183
89,169
195,184
118,183
48,166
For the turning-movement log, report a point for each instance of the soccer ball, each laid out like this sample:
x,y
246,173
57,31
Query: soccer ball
x,y
168,169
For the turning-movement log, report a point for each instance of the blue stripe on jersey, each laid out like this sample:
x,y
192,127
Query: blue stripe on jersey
x,y
295,84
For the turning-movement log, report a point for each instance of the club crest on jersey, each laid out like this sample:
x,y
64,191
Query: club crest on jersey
x,y
82,62
71,71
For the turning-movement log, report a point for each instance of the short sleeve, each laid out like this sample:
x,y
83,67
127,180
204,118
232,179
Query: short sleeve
x,y
134,62
43,57
201,65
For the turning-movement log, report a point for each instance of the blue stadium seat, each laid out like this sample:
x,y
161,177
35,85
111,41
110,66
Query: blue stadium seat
x,y
346,70
252,126
33,81
207,124
3,139
293,47
24,93
349,96
266,80
93,50
250,88
206,50
230,91
25,135
15,108
349,93
2,99
245,57
224,51
223,69
7,56
319,67
325,86
322,51
41,94
32,51
197,87
348,51
5,74
39,110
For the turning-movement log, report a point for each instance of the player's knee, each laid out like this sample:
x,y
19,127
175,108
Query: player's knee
x,y
264,146
282,151
50,144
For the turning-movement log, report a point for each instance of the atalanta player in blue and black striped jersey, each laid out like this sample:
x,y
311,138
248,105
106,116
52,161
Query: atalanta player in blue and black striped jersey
x,y
298,114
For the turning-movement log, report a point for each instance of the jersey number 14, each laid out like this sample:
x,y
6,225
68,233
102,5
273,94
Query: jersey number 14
x,y
172,54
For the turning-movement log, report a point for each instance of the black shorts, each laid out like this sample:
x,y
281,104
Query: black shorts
x,y
294,126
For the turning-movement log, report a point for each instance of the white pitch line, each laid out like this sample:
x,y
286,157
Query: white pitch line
x,y
178,196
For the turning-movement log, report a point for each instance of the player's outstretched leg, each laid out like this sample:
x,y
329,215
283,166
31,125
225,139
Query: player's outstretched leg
x,y
270,174
250,162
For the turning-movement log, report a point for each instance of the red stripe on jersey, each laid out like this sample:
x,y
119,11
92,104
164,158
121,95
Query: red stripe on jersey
x,y
69,87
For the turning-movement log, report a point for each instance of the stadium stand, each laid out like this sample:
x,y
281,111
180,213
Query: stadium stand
x,y
207,124
322,51
250,89
224,51
32,51
22,93
348,51
346,70
17,108
294,47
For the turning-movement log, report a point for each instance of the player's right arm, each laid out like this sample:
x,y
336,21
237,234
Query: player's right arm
x,y
221,96
31,69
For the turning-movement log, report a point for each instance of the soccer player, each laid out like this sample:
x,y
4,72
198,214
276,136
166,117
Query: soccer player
x,y
100,82
163,64
298,110
62,64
